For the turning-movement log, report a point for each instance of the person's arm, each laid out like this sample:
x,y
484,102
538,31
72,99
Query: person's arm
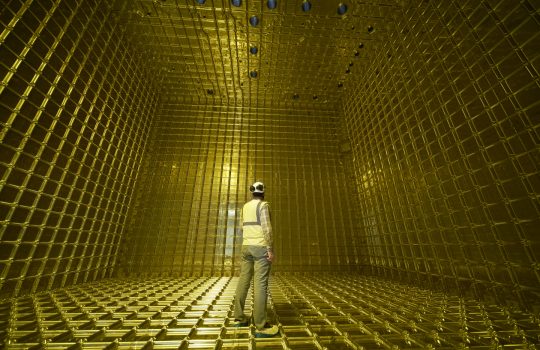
x,y
267,231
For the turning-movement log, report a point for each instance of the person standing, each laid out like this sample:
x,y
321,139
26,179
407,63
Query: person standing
x,y
257,258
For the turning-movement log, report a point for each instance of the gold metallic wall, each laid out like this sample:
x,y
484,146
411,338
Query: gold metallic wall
x,y
195,180
75,113
131,130
444,129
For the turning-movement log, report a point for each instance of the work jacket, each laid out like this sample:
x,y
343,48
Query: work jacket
x,y
253,230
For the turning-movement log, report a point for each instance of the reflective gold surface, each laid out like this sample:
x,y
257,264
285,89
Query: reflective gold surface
x,y
75,113
303,59
312,312
400,140
195,181
444,133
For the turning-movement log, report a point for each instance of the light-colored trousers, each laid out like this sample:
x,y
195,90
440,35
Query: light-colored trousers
x,y
256,266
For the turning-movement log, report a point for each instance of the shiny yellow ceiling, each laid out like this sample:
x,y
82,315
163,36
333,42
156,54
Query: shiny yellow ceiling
x,y
201,52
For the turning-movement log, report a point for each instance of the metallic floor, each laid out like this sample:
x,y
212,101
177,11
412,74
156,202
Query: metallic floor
x,y
313,311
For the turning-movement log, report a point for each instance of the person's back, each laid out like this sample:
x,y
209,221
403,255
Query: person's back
x,y
257,257
253,233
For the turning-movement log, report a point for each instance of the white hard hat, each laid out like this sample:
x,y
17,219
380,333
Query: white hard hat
x,y
257,187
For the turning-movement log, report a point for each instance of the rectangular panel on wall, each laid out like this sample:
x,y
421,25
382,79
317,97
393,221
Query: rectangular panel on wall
x,y
444,130
75,111
195,180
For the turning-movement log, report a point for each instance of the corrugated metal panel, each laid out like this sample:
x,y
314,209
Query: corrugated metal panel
x,y
400,139
196,179
444,130
76,110
312,311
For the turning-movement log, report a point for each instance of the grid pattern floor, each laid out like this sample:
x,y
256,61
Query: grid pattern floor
x,y
312,312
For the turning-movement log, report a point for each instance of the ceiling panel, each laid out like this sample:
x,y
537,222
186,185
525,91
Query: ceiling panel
x,y
202,51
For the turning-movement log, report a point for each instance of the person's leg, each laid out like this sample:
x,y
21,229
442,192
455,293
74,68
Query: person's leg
x,y
260,285
246,273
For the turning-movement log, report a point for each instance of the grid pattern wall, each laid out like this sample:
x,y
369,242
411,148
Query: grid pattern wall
x,y
445,135
209,49
195,180
75,113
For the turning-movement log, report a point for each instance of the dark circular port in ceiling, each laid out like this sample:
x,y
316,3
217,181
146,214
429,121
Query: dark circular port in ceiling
x,y
342,9
296,97
361,45
253,74
254,20
315,97
210,91
236,3
272,4
370,29
306,5
253,50
200,2
340,85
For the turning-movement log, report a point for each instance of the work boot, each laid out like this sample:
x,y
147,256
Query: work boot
x,y
268,331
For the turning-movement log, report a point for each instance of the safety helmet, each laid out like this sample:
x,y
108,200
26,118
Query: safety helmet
x,y
257,187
